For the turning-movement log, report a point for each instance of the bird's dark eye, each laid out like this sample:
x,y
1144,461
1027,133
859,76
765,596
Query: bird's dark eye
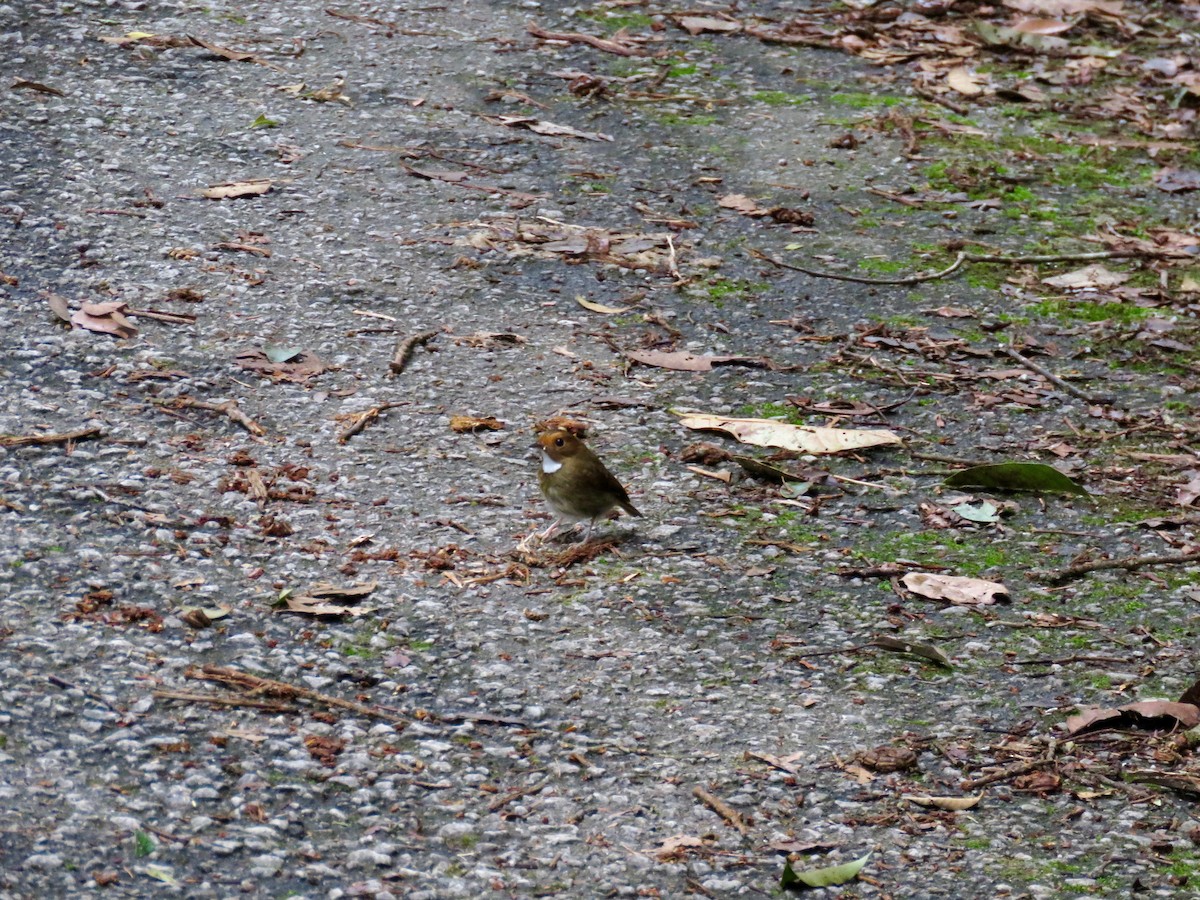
x,y
558,442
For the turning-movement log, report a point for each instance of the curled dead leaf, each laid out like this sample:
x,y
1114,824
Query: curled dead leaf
x,y
468,424
1148,715
953,804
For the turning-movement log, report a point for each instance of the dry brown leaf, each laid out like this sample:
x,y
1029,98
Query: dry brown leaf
x,y
60,307
1150,715
231,190
741,203
105,318
22,85
601,308
801,438
346,593
329,600
726,477
957,589
300,368
1189,493
1174,180
953,804
468,424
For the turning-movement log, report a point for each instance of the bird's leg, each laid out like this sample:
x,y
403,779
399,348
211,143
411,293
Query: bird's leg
x,y
545,535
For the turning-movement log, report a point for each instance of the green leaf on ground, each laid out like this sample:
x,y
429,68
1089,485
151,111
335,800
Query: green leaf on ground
x,y
1037,477
814,878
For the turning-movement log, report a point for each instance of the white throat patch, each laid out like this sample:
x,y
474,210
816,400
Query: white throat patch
x,y
549,466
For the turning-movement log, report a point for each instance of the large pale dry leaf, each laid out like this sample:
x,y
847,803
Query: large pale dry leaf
x,y
801,438
957,589
677,846
1174,180
328,600
1189,493
231,190
699,24
741,203
1149,715
540,126
682,361
966,82
1094,276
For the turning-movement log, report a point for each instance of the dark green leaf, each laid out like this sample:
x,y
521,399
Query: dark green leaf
x,y
1037,477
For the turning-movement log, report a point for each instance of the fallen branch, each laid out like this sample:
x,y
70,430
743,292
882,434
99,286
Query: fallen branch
x,y
363,419
253,684
967,258
66,437
1051,377
405,348
228,408
1128,563
722,809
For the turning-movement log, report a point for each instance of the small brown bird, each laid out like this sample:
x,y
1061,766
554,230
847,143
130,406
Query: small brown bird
x,y
576,484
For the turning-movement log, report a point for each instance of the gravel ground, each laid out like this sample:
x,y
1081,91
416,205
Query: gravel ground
x,y
549,724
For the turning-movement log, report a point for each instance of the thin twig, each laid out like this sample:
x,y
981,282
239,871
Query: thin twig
x,y
910,279
405,348
68,686
363,419
969,258
228,408
1013,771
722,809
1067,660
1129,563
256,685
222,700
501,802
66,437
1051,377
